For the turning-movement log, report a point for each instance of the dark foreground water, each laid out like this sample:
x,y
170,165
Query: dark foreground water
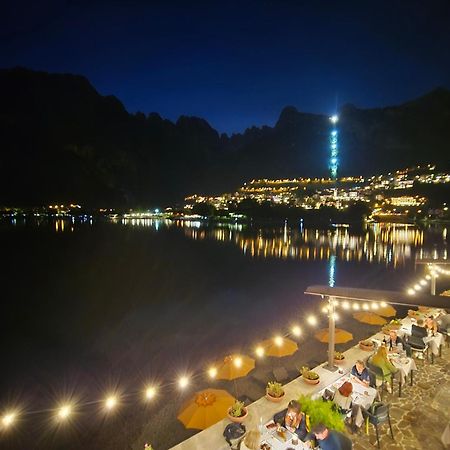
x,y
93,308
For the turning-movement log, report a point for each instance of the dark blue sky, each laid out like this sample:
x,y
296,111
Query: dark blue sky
x,y
236,63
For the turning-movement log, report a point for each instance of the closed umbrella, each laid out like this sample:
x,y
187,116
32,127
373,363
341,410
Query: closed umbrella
x,y
279,347
340,336
369,318
205,408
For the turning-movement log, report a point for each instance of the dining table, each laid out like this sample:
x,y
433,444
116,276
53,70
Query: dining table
x,y
434,341
405,366
362,396
270,437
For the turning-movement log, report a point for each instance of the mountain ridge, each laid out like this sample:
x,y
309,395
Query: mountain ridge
x,y
62,140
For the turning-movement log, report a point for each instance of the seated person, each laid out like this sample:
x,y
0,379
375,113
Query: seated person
x,y
251,441
360,374
394,340
342,398
293,419
431,325
330,439
381,360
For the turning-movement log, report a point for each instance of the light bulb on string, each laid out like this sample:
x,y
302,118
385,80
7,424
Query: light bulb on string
x,y
8,419
312,320
278,341
150,392
64,412
183,382
259,351
110,402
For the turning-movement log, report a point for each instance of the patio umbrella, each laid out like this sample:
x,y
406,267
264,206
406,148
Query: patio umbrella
x,y
234,366
340,336
279,347
205,408
386,311
369,318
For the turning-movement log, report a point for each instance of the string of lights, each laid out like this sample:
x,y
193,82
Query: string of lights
x,y
65,410
440,270
112,400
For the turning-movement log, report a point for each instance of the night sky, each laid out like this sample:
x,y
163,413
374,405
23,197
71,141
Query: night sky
x,y
236,64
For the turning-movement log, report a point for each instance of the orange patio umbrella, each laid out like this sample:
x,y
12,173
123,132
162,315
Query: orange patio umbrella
x,y
340,336
205,408
279,347
234,366
369,318
386,311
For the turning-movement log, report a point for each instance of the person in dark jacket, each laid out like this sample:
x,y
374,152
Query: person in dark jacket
x,y
330,439
293,419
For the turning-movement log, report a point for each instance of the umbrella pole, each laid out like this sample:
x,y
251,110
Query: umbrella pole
x,y
331,330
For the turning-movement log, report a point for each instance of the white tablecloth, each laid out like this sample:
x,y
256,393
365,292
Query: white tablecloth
x,y
405,365
434,342
362,397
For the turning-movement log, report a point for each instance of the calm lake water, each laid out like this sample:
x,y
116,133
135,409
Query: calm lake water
x,y
88,308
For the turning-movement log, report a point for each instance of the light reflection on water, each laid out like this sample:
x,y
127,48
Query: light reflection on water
x,y
390,244
382,243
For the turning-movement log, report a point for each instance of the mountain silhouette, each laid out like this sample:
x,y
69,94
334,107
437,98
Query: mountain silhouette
x,y
63,141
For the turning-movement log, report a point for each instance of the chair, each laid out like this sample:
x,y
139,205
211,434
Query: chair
x,y
378,414
418,346
418,331
376,373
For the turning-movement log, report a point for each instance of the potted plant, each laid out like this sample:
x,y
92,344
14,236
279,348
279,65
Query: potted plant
x,y
318,411
237,412
309,376
274,392
366,345
338,357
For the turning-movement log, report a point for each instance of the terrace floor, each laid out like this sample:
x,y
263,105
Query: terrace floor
x,y
420,416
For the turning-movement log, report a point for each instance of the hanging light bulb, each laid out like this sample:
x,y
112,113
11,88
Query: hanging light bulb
x,y
312,320
278,341
64,412
259,351
150,392
183,382
111,402
8,419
